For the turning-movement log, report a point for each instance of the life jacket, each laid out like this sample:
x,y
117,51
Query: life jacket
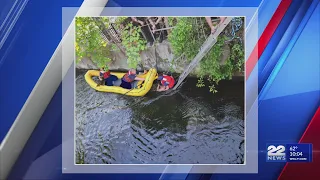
x,y
126,77
105,74
168,79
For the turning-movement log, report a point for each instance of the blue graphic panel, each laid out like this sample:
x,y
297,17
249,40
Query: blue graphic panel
x,y
278,35
26,52
281,121
281,46
265,13
300,73
299,152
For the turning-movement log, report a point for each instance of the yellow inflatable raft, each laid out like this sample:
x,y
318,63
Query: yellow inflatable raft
x,y
143,87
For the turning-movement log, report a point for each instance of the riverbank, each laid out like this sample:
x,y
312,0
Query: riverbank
x,y
159,56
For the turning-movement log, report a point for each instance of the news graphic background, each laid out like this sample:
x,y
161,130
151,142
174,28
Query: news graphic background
x,y
156,167
288,77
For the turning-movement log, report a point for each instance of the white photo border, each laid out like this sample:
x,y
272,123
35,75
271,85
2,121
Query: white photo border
x,y
68,92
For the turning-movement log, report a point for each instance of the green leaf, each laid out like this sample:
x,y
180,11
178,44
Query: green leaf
x,y
89,41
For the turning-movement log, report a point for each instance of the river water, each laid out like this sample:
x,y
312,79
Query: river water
x,y
188,126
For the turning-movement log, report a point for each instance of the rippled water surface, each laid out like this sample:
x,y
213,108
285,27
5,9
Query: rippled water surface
x,y
189,126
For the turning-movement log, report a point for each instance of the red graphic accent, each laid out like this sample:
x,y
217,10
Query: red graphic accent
x,y
266,36
306,170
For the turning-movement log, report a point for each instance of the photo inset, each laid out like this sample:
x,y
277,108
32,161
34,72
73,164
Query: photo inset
x,y
160,90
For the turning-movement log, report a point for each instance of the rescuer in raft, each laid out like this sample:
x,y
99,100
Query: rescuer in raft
x,y
166,82
128,78
106,78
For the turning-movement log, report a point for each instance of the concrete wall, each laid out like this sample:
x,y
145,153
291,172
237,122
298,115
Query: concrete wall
x,y
161,58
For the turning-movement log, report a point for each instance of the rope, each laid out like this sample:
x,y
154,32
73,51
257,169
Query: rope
x,y
236,24
155,55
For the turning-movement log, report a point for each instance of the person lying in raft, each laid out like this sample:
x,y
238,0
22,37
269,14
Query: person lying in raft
x,y
166,82
128,78
106,78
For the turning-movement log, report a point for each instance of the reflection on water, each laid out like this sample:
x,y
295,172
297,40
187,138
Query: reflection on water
x,y
189,126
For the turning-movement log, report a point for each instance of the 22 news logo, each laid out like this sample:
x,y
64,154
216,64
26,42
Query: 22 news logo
x,y
276,153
